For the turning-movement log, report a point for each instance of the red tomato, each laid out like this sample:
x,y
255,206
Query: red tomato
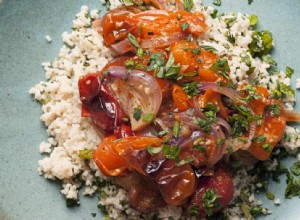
x,y
221,184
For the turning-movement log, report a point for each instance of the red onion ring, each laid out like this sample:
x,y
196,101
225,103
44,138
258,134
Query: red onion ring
x,y
223,123
231,93
122,47
135,89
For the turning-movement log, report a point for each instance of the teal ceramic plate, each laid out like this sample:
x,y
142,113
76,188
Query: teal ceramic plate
x,y
23,27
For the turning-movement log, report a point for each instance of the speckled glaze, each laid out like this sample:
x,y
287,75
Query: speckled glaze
x,y
23,27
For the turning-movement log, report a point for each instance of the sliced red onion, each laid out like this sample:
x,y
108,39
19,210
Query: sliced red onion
x,y
162,41
136,90
222,122
198,111
122,47
189,141
234,95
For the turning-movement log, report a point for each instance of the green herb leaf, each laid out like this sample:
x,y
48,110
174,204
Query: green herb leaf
x,y
268,59
275,109
133,41
93,214
209,48
261,43
214,14
220,141
217,2
293,186
289,71
230,38
196,51
253,20
194,210
285,89
170,151
128,2
221,66
191,88
185,26
210,200
270,195
86,154
182,162
71,202
176,128
239,124
153,150
295,168
149,117
260,138
188,5
137,113
267,147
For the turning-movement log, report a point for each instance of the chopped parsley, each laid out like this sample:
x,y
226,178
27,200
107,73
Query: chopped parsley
x,y
153,150
261,44
220,141
128,2
182,162
210,200
188,5
176,129
270,195
275,109
267,147
170,151
217,2
253,20
86,154
149,117
295,168
293,186
133,41
260,138
196,51
162,69
184,26
209,48
191,88
194,210
282,89
137,113
289,71
252,95
269,60
239,124
230,38
71,202
131,64
221,66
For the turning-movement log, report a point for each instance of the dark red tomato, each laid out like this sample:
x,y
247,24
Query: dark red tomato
x,y
123,131
176,183
98,103
220,184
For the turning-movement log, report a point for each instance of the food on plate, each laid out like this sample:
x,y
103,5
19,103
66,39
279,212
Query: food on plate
x,y
179,96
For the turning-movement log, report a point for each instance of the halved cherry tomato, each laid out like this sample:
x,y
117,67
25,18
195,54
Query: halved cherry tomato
x,y
272,129
107,160
213,97
198,61
113,156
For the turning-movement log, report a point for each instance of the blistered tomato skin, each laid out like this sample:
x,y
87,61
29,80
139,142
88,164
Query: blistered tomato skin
x,y
222,185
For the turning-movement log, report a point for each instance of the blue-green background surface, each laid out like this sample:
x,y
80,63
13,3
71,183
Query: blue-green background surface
x,y
23,27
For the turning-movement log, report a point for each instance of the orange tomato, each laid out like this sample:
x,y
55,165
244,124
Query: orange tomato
x,y
113,156
180,98
273,129
195,62
214,97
